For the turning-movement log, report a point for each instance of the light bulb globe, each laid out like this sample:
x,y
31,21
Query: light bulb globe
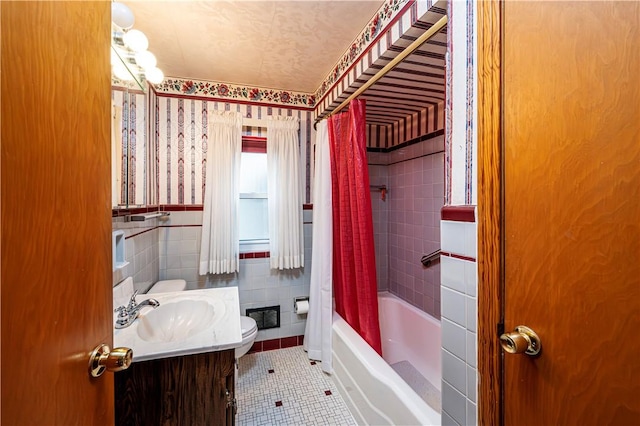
x,y
121,15
135,40
146,60
155,76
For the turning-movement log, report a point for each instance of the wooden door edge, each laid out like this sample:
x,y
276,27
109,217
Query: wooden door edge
x,y
490,216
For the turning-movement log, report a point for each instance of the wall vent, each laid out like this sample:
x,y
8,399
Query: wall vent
x,y
267,317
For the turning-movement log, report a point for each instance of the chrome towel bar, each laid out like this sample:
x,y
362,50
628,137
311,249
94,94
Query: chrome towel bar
x,y
427,259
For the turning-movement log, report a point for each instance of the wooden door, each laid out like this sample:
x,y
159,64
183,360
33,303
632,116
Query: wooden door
x,y
571,123
55,211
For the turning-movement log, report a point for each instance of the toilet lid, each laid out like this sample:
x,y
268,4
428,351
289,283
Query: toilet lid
x,y
168,285
248,325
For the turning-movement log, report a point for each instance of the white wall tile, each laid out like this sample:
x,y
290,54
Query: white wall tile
x,y
189,261
472,412
454,338
298,291
459,238
173,234
453,306
471,278
184,218
173,262
452,236
188,247
454,403
119,275
472,383
268,334
259,296
173,274
285,318
446,419
471,348
191,232
189,274
471,308
452,273
298,318
454,371
173,248
297,329
470,240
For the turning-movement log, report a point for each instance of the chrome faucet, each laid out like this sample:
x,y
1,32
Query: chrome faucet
x,y
128,314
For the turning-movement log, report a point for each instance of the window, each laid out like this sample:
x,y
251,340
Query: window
x,y
253,210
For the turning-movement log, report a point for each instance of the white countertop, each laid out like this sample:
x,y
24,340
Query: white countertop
x,y
223,333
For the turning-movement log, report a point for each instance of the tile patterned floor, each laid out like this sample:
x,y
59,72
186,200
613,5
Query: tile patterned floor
x,y
282,387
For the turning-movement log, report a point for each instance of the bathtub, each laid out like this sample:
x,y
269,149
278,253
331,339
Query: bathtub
x,y
374,392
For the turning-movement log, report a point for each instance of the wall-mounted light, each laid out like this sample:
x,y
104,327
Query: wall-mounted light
x,y
135,40
121,15
130,48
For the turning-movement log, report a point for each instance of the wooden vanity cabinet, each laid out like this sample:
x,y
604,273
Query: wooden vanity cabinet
x,y
187,390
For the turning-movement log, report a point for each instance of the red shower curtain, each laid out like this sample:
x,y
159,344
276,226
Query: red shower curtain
x,y
354,265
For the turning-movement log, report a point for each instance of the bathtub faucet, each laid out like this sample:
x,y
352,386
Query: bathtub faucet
x,y
127,315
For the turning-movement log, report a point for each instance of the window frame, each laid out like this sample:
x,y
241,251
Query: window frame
x,y
255,145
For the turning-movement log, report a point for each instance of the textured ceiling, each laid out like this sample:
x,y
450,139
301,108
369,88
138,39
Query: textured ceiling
x,y
289,45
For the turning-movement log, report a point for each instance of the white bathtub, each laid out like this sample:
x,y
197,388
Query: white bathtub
x,y
374,392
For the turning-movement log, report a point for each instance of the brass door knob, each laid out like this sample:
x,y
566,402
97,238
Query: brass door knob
x,y
102,359
522,340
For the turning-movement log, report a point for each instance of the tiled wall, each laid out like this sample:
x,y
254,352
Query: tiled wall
x,y
459,312
141,251
418,195
406,225
257,284
378,176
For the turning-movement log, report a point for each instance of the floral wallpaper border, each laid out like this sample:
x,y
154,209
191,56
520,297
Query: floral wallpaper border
x,y
130,85
221,91
380,20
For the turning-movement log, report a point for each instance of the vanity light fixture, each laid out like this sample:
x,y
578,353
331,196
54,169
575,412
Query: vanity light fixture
x,y
121,15
130,48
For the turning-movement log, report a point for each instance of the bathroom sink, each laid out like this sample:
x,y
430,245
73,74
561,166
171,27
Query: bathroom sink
x,y
175,321
185,323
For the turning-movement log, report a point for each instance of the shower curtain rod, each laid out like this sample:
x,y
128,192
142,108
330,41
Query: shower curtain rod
x,y
435,28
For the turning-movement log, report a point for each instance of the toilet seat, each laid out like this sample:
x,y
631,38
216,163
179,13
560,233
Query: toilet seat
x,y
248,326
249,333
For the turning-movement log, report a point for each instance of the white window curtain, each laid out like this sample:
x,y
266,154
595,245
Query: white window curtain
x,y
317,334
219,249
284,192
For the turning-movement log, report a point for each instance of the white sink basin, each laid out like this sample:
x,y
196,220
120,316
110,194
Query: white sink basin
x,y
175,321
185,323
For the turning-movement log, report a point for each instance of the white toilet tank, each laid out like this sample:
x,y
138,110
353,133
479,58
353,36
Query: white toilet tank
x,y
167,286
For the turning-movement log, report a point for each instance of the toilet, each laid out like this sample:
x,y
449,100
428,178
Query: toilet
x,y
249,334
167,286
